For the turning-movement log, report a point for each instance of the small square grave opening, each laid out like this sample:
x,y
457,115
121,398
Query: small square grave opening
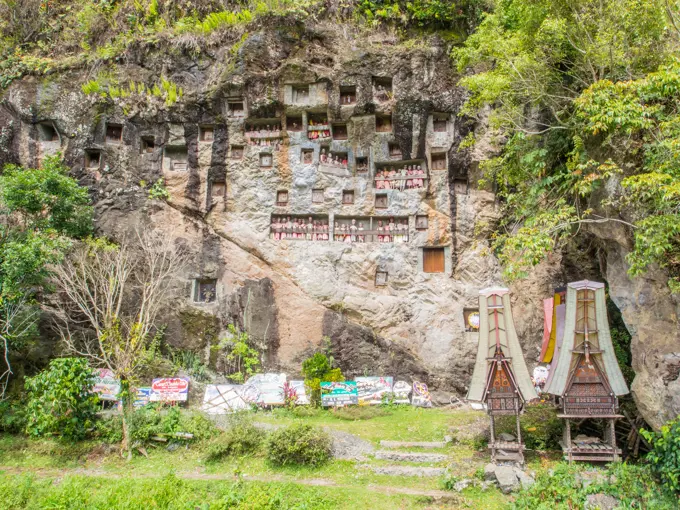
x,y
439,161
337,158
347,197
218,189
282,197
433,260
93,158
205,290
380,278
340,131
266,159
394,150
362,164
348,94
383,123
300,94
47,133
307,156
317,196
440,122
381,201
147,145
421,222
236,108
382,88
114,133
294,123
460,186
206,134
179,158
237,152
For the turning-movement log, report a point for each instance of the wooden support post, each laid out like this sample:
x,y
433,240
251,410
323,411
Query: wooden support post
x,y
612,428
493,440
567,439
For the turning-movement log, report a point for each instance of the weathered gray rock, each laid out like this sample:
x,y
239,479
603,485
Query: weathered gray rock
x,y
525,479
490,472
410,456
507,479
462,485
504,436
601,502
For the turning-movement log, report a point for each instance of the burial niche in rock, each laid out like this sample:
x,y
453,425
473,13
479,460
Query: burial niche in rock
x,y
264,133
282,197
317,196
236,152
471,319
434,259
147,145
381,201
236,108
205,290
93,159
347,197
440,122
47,132
312,227
317,126
370,229
348,94
300,94
206,134
460,186
307,156
394,150
294,124
500,378
339,131
382,89
439,161
402,175
266,159
380,278
361,165
114,133
383,123
421,222
176,158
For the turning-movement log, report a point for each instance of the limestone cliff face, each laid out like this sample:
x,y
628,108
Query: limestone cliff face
x,y
224,192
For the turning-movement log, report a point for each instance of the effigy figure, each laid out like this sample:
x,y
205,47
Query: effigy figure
x,y
380,229
353,230
361,238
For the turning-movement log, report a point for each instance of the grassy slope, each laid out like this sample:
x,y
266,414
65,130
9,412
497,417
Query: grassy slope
x,y
339,484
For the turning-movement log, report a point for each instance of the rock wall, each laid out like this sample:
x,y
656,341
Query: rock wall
x,y
225,191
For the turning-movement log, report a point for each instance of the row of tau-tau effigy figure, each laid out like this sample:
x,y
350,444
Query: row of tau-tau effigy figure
x,y
584,374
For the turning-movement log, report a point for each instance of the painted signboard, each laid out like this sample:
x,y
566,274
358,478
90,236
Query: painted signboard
x,y
142,396
421,395
372,389
401,390
228,398
301,392
170,389
269,388
338,394
106,385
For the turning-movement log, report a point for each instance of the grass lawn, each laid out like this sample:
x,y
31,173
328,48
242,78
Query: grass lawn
x,y
91,475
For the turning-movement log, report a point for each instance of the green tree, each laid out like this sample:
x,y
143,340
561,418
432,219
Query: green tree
x,y
61,401
41,212
568,83
317,369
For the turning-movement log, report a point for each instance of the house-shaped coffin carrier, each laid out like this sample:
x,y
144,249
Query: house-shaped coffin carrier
x,y
500,378
586,375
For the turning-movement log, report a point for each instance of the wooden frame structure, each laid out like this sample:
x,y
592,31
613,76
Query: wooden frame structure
x,y
501,379
586,375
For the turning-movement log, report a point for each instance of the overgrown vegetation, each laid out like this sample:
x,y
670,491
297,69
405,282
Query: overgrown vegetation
x,y
584,93
316,369
299,444
243,357
664,458
241,438
60,400
540,426
562,488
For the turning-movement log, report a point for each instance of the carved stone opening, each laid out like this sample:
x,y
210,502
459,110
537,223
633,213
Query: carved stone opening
x,y
300,94
47,133
266,159
362,165
236,109
340,131
307,156
93,159
282,197
460,186
380,278
147,145
348,95
439,161
382,89
433,260
440,122
383,123
394,150
317,196
178,158
206,134
294,124
236,152
381,201
347,197
114,133
205,290
421,222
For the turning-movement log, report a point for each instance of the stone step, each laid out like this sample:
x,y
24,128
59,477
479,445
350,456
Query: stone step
x,y
409,456
412,444
408,471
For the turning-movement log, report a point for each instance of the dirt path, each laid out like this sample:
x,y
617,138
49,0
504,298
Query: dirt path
x,y
316,482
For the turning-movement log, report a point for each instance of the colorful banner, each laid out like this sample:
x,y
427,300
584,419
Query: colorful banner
x,y
301,392
372,389
142,397
106,384
338,394
170,389
269,387
421,395
401,390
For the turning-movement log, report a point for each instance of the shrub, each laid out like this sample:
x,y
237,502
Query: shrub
x,y
60,400
241,438
541,428
299,445
560,487
316,369
665,455
12,417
